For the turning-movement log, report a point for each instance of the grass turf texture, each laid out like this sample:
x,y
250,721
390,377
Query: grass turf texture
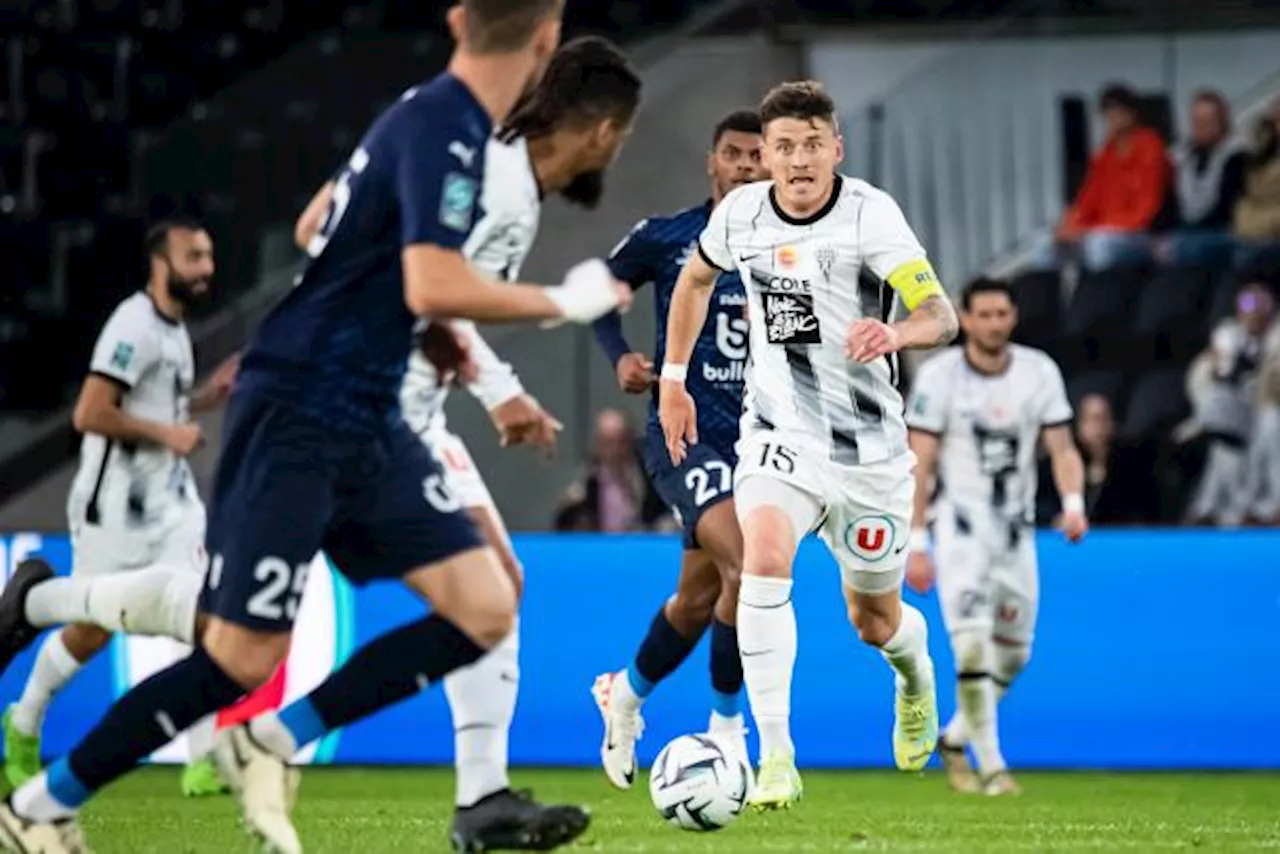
x,y
372,811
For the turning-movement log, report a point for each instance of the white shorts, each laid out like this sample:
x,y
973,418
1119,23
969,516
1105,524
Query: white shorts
x,y
461,475
175,540
863,513
987,575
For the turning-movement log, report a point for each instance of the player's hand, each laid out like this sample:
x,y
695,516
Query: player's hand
x,y
223,378
522,421
448,352
679,418
869,339
635,373
1074,526
920,572
589,292
183,439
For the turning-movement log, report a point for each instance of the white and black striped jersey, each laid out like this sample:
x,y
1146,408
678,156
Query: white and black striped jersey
x,y
989,426
498,246
807,281
148,355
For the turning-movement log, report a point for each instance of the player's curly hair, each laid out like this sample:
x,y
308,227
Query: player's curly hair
x,y
589,80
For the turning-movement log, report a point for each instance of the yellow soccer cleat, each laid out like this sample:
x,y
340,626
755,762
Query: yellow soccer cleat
x,y
21,752
915,729
778,785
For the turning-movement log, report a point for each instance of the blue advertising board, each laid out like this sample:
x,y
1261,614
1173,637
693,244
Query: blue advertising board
x,y
1155,649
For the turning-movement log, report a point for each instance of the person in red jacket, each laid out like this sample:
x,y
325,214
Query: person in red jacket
x,y
1107,224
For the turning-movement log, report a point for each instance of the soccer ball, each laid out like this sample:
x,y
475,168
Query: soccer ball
x,y
697,783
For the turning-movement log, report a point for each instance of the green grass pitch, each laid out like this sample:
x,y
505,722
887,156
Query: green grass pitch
x,y
395,811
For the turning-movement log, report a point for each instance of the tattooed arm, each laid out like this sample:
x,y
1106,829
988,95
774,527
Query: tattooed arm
x,y
932,324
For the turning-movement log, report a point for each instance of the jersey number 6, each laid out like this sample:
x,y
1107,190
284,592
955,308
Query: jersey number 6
x,y
338,201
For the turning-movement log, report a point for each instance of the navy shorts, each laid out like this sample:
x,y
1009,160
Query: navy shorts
x,y
702,481
288,487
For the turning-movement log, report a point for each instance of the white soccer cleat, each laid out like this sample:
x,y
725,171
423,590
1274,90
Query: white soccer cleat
x,y
30,837
266,786
915,728
622,729
960,774
778,785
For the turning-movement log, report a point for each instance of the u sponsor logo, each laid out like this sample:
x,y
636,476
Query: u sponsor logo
x,y
870,537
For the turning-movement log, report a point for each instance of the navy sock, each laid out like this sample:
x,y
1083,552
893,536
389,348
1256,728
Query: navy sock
x,y
149,717
391,668
726,668
661,652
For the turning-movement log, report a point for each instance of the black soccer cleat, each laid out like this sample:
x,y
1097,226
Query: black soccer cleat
x,y
514,821
16,634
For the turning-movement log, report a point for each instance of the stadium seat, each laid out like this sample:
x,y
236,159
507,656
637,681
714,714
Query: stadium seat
x,y
1173,300
1039,299
1157,403
1103,302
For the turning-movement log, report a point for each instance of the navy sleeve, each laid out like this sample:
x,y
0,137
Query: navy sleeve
x,y
439,191
636,258
609,334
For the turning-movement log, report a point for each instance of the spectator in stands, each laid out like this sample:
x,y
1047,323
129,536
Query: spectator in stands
x,y
1107,225
614,496
1261,492
1208,180
1119,484
1223,388
1257,214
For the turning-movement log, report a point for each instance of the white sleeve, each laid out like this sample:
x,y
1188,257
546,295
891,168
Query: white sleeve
x,y
713,244
497,381
892,252
125,349
1055,408
927,403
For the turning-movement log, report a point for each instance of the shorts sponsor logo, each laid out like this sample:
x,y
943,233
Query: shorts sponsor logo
x,y
871,537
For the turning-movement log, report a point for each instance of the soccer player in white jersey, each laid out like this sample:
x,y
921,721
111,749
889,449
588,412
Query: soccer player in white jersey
x,y
561,139
133,504
824,447
976,415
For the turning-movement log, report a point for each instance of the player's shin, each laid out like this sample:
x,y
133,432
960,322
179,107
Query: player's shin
x,y
146,718
768,645
55,666
663,649
976,698
388,669
907,652
157,601
726,678
482,700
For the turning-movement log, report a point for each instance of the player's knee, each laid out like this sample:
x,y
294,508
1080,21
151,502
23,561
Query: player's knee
x,y
692,607
768,554
84,641
247,657
1011,659
973,651
488,616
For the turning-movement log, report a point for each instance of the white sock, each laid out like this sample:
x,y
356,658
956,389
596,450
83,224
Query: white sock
x,y
482,700
54,668
267,730
768,644
956,732
728,724
157,600
34,802
908,652
200,737
624,693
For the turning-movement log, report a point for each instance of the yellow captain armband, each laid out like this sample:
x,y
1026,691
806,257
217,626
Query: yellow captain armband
x,y
915,282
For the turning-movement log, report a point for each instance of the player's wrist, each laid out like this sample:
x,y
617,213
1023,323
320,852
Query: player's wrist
x,y
1073,502
674,372
919,540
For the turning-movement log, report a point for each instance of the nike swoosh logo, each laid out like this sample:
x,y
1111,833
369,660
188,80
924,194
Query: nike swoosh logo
x,y
745,258
900,549
754,653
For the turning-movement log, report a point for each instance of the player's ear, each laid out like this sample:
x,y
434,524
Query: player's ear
x,y
456,19
839,149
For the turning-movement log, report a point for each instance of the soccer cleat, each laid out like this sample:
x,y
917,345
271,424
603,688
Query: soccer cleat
x,y
959,772
915,729
201,779
265,785
16,634
21,752
514,821
29,837
778,785
1001,784
622,729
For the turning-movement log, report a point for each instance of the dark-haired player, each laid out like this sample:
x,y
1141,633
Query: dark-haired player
x,y
824,446
701,488
977,413
317,457
561,140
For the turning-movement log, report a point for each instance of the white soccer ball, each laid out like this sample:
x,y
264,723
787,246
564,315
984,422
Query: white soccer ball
x,y
698,783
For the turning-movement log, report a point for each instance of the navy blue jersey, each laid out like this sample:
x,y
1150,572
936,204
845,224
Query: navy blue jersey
x,y
337,346
655,251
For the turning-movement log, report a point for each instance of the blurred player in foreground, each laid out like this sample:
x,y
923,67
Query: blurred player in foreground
x,y
823,442
975,414
133,511
317,456
700,489
560,140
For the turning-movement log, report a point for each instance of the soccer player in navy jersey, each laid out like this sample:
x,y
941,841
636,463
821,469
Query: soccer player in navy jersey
x,y
700,490
316,455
